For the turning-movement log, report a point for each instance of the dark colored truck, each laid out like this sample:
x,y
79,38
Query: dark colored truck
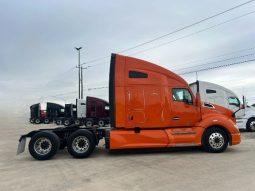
x,y
89,112
150,107
47,114
69,113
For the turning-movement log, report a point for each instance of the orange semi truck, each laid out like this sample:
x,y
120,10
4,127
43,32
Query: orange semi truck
x,y
150,107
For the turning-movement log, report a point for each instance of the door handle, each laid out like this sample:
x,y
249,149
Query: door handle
x,y
176,118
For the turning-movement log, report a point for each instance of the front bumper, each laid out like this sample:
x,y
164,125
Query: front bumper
x,y
236,138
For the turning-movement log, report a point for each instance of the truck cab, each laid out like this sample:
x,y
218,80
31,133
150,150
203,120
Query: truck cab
x,y
218,95
151,106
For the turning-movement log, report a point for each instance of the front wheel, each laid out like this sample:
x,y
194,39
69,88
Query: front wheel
x,y
215,140
81,143
44,145
250,125
32,120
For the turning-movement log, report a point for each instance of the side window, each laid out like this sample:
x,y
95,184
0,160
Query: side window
x,y
234,101
136,74
209,91
182,95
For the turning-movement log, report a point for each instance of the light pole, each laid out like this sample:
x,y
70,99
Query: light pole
x,y
79,67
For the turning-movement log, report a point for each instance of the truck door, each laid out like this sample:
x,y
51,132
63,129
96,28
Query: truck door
x,y
184,112
81,108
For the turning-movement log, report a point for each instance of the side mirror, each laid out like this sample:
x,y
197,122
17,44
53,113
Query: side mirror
x,y
241,106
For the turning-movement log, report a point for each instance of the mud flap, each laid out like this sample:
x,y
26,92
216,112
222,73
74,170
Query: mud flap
x,y
22,145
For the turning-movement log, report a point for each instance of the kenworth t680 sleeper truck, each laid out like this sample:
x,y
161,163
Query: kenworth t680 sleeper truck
x,y
150,107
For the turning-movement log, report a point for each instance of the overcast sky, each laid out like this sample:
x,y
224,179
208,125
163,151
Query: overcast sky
x,y
37,40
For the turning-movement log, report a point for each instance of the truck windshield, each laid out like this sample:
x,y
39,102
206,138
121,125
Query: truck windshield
x,y
234,101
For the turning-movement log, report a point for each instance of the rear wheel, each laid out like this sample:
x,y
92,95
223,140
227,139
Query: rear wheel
x,y
101,123
67,122
44,145
215,140
77,122
81,143
37,121
250,125
89,123
46,121
58,122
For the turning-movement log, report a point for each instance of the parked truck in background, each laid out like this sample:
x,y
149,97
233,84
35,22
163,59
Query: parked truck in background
x,y
215,94
150,107
69,112
45,112
89,112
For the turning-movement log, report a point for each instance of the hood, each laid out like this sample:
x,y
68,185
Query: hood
x,y
208,109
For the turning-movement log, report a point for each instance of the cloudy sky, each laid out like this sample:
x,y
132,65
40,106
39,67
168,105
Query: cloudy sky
x,y
38,59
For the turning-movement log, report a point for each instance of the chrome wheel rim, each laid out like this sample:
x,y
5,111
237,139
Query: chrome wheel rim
x,y
252,125
216,140
42,146
80,144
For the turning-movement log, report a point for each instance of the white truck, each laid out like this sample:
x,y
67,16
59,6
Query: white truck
x,y
215,94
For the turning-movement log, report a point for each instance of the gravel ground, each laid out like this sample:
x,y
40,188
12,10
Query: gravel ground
x,y
173,169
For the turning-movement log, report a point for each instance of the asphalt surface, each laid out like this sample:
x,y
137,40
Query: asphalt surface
x,y
172,169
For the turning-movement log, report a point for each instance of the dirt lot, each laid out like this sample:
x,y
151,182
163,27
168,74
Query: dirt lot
x,y
182,169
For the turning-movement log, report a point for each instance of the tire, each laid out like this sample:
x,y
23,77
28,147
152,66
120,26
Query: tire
x,y
81,144
44,145
77,122
32,120
215,140
67,122
250,125
37,121
46,121
58,122
101,123
89,123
